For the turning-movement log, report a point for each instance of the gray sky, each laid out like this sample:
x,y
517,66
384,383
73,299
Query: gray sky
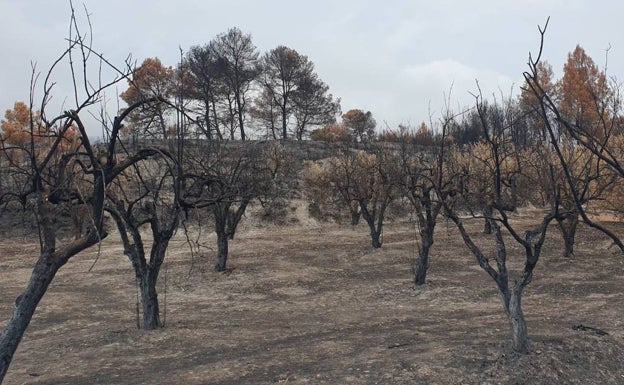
x,y
396,58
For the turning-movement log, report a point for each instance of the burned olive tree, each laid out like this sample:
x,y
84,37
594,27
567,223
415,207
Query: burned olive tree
x,y
426,183
328,193
225,178
591,179
360,180
146,195
46,183
503,158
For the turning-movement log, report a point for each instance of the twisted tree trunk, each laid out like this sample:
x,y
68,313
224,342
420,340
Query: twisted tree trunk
x,y
148,278
149,300
25,305
519,335
43,273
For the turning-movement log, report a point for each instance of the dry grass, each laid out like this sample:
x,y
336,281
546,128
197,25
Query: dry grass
x,y
313,304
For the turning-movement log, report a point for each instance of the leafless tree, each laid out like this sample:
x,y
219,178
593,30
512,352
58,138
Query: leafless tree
x,y
146,195
328,191
426,182
365,183
225,177
46,183
501,156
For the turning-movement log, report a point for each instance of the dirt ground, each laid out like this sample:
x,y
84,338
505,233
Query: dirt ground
x,y
312,303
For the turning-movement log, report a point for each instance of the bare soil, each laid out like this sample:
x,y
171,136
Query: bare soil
x,y
312,303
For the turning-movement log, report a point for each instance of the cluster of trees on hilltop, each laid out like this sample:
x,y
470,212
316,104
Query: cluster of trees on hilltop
x,y
233,92
557,146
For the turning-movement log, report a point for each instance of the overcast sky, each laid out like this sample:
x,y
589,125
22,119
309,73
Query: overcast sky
x,y
396,58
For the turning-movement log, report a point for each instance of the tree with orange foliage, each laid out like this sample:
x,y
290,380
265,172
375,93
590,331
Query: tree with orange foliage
x,y
423,135
545,74
361,125
330,133
580,98
589,114
150,80
580,87
16,125
403,134
15,137
23,135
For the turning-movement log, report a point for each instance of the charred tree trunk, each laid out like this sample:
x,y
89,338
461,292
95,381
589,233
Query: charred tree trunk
x,y
149,279
376,229
25,305
215,119
519,335
208,130
375,232
568,224
427,214
487,213
375,239
422,264
146,272
355,213
512,303
43,273
149,300
426,210
240,115
226,221
221,212
222,251
284,119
